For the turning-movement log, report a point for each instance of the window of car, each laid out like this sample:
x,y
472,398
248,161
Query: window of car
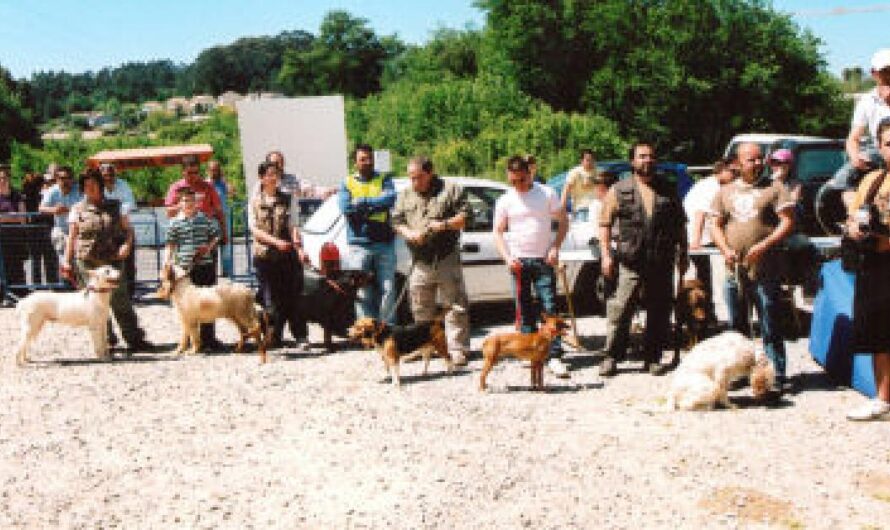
x,y
482,201
819,163
322,221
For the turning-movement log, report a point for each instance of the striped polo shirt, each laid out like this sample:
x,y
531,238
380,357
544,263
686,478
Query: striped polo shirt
x,y
189,233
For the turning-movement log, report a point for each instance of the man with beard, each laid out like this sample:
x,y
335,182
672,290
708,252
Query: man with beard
x,y
651,228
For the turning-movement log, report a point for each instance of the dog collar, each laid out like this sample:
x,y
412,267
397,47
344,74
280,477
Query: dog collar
x,y
103,290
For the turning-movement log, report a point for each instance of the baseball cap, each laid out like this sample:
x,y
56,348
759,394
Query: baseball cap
x,y
329,252
880,60
782,155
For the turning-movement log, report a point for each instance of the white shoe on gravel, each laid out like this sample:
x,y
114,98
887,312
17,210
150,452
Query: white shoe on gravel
x,y
875,409
558,368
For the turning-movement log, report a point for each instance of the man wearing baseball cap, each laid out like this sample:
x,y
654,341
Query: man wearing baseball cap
x,y
870,111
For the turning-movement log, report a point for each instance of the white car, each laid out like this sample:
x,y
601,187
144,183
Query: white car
x,y
485,274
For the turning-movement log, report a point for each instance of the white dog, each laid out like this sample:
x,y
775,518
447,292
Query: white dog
x,y
197,305
702,380
88,307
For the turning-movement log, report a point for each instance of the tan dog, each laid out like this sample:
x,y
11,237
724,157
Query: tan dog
x,y
692,311
534,347
87,308
401,343
201,305
702,380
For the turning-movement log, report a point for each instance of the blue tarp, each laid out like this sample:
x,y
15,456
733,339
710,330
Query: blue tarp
x,y
832,329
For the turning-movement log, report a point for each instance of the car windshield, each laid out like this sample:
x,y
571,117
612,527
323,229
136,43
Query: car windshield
x,y
819,163
324,218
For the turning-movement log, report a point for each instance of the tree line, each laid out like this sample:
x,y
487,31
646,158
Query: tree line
x,y
545,76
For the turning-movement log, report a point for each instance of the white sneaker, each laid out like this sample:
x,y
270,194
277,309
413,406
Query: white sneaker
x,y
558,368
875,409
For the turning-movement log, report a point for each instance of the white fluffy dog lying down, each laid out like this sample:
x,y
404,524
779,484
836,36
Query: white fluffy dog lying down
x,y
88,307
197,305
702,380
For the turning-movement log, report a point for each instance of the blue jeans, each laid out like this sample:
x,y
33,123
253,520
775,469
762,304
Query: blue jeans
x,y
764,294
537,274
225,251
378,299
847,177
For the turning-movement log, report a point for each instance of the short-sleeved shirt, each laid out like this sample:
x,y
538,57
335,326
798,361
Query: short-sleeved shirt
x,y
582,189
123,194
442,201
189,233
610,203
699,200
528,217
750,211
870,111
55,197
11,203
205,196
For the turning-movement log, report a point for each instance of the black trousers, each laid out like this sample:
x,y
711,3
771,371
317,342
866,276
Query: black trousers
x,y
43,254
205,274
281,283
15,251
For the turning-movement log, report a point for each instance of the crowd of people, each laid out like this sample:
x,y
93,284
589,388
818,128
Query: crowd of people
x,y
645,234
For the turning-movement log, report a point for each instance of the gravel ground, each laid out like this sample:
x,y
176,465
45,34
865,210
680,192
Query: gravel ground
x,y
323,441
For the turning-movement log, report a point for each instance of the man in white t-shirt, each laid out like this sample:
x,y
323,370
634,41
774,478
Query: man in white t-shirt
x,y
870,111
524,239
697,205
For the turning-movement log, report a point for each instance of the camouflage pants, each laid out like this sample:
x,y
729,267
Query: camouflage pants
x,y
445,279
121,305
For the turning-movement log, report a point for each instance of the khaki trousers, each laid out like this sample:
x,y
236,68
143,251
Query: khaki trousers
x,y
444,279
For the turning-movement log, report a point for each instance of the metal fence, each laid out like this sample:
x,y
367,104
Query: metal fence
x,y
29,260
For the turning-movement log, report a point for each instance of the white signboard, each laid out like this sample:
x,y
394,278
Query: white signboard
x,y
309,131
382,161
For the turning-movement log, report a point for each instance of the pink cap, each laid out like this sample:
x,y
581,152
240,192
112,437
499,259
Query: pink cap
x,y
782,155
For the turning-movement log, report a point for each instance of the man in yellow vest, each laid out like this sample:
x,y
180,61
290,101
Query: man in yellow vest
x,y
366,198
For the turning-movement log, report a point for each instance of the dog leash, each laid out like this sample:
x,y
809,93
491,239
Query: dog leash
x,y
743,297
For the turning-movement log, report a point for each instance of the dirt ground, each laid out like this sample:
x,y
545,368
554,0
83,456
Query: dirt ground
x,y
321,440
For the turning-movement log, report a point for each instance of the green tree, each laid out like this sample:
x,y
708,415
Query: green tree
x,y
347,57
449,54
690,74
16,122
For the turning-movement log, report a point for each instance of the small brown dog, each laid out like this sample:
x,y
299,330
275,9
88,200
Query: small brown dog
x,y
693,304
402,343
534,347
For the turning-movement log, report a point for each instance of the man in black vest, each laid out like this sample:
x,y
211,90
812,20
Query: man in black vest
x,y
651,236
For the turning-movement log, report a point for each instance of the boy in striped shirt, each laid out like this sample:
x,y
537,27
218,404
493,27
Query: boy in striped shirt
x,y
192,238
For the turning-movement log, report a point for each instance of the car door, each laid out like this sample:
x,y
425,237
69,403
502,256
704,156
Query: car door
x,y
484,272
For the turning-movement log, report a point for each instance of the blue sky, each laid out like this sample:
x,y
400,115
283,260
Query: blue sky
x,y
79,35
